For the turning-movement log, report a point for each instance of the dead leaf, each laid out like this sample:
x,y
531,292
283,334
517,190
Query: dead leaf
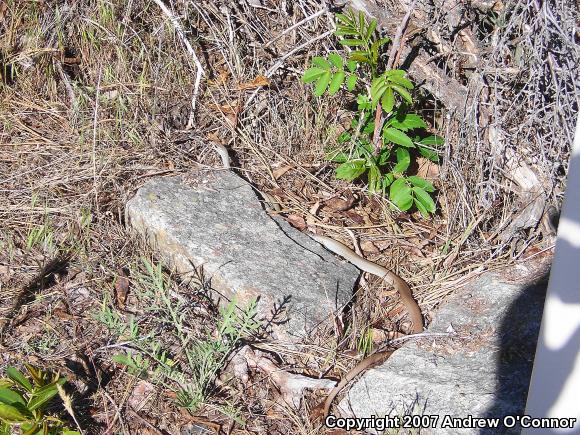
x,y
296,221
368,246
121,289
281,171
221,79
214,137
338,204
62,313
142,391
259,81
357,218
427,169
232,107
450,259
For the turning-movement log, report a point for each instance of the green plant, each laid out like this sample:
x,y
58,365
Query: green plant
x,y
383,134
23,402
192,364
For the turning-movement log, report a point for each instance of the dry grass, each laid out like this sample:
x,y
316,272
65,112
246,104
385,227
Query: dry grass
x,y
94,100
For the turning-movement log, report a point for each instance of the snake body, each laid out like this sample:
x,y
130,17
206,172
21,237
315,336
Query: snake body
x,y
393,279
367,266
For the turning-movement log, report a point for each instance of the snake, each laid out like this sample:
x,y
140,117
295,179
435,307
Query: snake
x,y
392,278
368,266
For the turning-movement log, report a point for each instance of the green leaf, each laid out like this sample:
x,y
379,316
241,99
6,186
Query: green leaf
x,y
42,396
360,56
344,137
374,179
403,93
403,160
11,397
70,432
388,100
400,194
336,82
420,182
343,18
388,180
339,157
400,80
429,154
351,170
371,29
351,82
408,121
432,140
336,60
425,199
351,65
12,414
382,41
421,208
363,102
19,378
397,136
321,62
383,156
322,83
39,377
351,42
344,31
395,73
378,87
4,428
312,74
5,383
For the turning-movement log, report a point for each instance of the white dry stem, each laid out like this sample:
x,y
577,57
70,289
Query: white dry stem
x,y
298,24
292,386
199,68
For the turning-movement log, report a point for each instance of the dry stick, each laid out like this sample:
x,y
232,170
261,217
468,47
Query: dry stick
x,y
94,150
200,71
393,55
298,24
280,62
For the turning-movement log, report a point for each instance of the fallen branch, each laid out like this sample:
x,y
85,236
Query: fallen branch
x,y
199,68
292,386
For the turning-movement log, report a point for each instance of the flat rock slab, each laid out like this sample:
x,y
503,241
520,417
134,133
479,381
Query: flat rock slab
x,y
218,224
483,372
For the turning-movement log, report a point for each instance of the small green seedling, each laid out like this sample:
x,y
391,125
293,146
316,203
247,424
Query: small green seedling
x,y
383,154
23,402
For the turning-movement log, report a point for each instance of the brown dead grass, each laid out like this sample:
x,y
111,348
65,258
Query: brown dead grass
x,y
94,100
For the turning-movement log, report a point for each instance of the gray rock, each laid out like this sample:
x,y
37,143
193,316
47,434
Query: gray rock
x,y
482,372
219,225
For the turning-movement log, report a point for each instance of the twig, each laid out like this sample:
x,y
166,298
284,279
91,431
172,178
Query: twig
x,y
280,61
200,71
396,42
298,24
94,150
294,50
